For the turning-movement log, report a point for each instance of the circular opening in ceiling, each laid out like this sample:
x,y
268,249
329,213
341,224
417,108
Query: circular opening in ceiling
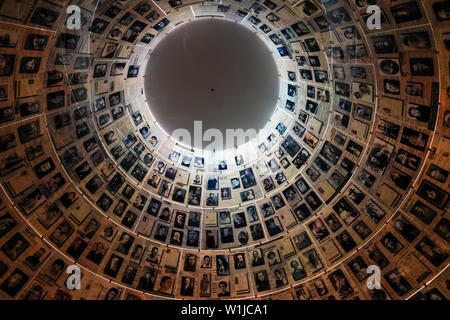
x,y
214,71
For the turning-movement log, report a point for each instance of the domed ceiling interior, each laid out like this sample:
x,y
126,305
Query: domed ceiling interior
x,y
350,167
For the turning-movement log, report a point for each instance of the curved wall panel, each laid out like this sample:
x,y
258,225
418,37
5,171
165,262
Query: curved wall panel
x,y
350,171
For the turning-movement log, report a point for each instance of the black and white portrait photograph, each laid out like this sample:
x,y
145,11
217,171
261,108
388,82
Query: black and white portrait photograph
x,y
222,265
414,139
176,237
302,212
278,201
373,211
8,38
421,66
351,33
357,51
239,220
346,241
7,64
338,16
398,178
318,229
431,251
256,231
437,173
36,42
261,280
274,226
359,268
67,41
379,156
291,195
296,269
212,199
252,214
388,129
391,243
332,222
384,44
397,282
179,194
301,240
15,246
406,229
389,67
30,65
109,50
407,159
247,195
226,235
268,184
340,283
62,233
192,238
14,282
433,194
423,212
405,12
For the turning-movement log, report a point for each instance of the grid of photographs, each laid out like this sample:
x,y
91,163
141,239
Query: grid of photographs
x,y
351,171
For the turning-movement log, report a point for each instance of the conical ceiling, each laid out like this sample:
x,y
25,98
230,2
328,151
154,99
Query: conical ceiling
x,y
351,170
